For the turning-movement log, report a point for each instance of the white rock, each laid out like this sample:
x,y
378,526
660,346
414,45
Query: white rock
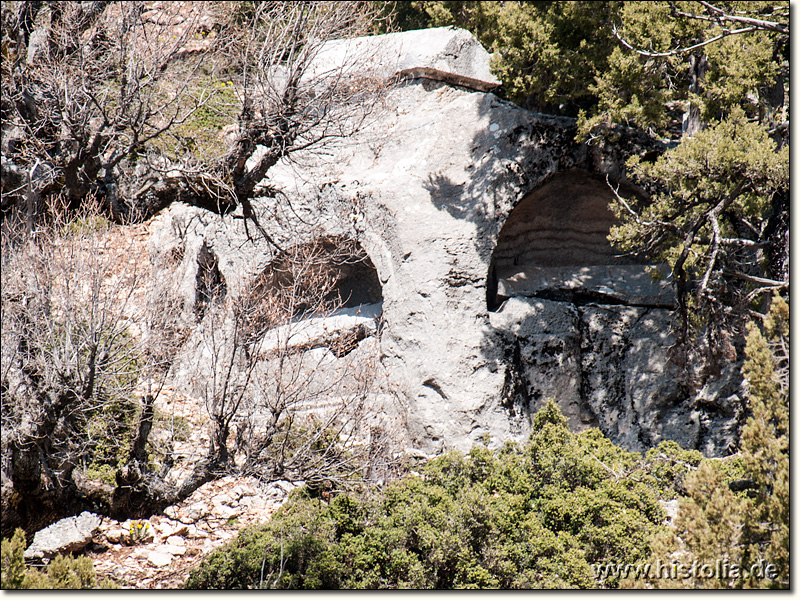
x,y
197,533
67,535
173,549
226,512
179,529
159,559
194,513
115,535
176,540
222,499
444,53
671,507
141,553
286,486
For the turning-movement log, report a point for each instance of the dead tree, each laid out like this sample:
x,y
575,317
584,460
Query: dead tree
x,y
119,101
70,366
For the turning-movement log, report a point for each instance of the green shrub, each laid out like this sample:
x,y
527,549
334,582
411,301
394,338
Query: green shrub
x,y
532,516
63,572
668,463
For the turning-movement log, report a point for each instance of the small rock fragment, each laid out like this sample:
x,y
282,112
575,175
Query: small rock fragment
x,y
159,559
171,549
175,540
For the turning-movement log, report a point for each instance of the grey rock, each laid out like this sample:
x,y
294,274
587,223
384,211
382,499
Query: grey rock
x,y
316,332
671,507
444,53
487,226
67,535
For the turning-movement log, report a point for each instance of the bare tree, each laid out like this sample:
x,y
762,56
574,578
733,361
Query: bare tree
x,y
283,375
70,364
90,85
116,101
122,105
82,368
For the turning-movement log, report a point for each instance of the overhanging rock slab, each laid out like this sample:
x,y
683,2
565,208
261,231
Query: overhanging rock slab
x,y
444,54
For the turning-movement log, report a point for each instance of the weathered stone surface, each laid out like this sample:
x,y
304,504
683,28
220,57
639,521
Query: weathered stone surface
x,y
67,535
606,365
315,332
671,507
487,227
606,284
445,54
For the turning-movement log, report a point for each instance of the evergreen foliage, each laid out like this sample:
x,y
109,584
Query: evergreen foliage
x,y
715,76
708,217
549,514
631,63
63,572
538,515
749,527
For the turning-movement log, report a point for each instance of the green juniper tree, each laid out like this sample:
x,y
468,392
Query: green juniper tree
x,y
749,526
63,572
539,515
633,63
709,217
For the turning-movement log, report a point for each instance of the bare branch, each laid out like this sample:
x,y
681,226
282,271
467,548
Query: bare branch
x,y
635,215
757,23
715,243
682,50
769,283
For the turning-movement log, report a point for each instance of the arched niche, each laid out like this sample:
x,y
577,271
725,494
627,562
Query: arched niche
x,y
327,273
317,278
554,245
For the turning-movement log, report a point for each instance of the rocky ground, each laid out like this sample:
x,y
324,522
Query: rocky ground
x,y
162,550
159,553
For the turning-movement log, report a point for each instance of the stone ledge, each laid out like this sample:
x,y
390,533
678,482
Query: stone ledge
x,y
445,54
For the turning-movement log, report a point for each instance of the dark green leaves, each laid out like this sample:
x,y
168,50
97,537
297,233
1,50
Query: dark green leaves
x,y
523,516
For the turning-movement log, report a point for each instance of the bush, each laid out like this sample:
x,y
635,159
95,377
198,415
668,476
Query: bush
x,y
63,573
532,516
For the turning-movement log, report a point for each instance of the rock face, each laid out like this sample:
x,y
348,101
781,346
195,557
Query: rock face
x,y
486,225
67,535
